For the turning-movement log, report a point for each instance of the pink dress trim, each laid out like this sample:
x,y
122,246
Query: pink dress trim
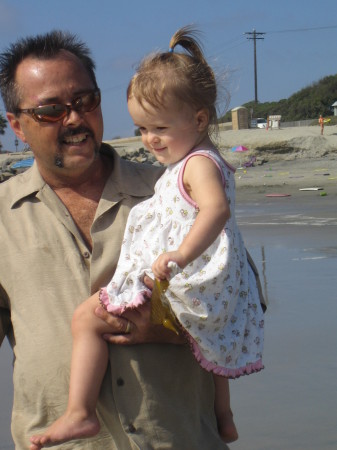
x,y
141,298
219,370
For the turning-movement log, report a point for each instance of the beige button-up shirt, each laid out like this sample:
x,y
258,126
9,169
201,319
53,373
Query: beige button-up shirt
x,y
154,396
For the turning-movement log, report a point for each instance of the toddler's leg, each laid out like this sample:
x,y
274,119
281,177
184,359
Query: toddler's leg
x,y
88,366
223,412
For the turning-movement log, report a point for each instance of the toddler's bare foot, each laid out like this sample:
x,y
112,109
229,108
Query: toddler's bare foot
x,y
227,428
67,427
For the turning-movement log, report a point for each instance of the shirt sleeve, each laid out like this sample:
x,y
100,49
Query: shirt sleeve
x,y
5,319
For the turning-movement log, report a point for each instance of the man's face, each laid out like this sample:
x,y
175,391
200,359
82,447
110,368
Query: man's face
x,y
67,147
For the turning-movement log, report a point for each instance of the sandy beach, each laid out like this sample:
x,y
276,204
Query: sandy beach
x,y
287,160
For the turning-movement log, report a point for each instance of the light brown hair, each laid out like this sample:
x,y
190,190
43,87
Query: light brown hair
x,y
185,77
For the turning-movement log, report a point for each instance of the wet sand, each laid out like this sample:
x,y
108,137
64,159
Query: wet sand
x,y
292,404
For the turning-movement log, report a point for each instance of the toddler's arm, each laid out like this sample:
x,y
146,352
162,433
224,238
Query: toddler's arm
x,y
203,182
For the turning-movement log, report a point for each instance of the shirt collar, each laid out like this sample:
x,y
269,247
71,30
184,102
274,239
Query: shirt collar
x,y
28,185
122,179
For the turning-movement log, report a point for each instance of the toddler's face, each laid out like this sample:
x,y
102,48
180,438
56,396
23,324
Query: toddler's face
x,y
170,132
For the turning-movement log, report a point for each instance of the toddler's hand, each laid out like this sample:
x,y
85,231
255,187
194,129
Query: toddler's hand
x,y
167,265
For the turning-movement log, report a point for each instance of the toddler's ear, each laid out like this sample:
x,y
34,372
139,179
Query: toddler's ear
x,y
202,118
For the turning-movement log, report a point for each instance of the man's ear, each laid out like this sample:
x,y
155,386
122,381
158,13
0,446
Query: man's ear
x,y
15,124
202,118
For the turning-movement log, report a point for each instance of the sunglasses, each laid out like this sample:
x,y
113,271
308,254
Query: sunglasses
x,y
53,113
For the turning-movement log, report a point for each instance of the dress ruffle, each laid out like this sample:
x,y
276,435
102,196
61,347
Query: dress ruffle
x,y
256,366
140,298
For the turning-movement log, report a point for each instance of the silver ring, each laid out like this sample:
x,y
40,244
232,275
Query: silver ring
x,y
128,327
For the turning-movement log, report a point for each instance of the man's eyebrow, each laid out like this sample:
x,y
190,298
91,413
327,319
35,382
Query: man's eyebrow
x,y
56,100
48,100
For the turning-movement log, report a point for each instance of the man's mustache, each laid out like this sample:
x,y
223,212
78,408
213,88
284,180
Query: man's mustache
x,y
74,131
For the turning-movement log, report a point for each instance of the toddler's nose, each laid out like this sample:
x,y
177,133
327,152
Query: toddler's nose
x,y
153,138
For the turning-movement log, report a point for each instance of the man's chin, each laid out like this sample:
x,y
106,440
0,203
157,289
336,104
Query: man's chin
x,y
76,158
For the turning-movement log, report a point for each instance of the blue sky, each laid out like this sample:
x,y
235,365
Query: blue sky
x,y
298,49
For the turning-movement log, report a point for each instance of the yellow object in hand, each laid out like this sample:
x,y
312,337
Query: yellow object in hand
x,y
161,313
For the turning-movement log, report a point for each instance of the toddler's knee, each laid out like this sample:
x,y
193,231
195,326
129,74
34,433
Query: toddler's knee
x,y
81,317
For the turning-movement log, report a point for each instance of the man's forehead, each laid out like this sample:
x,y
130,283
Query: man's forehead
x,y
62,56
48,79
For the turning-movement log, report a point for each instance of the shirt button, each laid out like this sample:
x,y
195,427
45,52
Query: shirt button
x,y
131,428
120,382
86,255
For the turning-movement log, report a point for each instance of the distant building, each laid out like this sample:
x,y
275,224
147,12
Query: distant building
x,y
239,118
274,121
334,106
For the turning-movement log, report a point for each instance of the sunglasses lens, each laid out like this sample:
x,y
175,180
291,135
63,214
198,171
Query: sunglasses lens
x,y
87,102
50,113
53,113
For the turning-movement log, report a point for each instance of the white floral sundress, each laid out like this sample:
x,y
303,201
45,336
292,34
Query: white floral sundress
x,y
215,298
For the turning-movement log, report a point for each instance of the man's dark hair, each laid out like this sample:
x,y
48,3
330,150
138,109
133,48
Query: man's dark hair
x,y
43,46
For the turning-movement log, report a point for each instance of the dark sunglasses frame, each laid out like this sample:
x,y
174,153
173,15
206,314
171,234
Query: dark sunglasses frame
x,y
55,112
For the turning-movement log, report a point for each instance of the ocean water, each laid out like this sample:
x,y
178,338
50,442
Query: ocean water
x,y
292,403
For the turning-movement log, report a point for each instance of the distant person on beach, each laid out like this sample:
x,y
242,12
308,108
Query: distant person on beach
x,y
188,224
61,230
321,123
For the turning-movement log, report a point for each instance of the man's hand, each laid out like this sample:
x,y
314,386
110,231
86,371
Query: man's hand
x,y
141,330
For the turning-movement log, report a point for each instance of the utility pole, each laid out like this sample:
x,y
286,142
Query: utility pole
x,y
254,35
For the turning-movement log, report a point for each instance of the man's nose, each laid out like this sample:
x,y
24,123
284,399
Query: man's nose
x,y
72,118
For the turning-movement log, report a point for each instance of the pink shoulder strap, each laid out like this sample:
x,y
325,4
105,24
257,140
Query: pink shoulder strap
x,y
207,154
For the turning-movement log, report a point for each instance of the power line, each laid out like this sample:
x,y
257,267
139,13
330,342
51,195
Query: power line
x,y
254,36
296,30
216,52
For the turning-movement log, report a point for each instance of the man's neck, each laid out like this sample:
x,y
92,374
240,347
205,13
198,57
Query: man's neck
x,y
81,195
79,181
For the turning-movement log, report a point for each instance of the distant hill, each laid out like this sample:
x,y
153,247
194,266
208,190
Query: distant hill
x,y
308,103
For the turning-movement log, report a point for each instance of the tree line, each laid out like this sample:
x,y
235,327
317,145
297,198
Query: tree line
x,y
308,103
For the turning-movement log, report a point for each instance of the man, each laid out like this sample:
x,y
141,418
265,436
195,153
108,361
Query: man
x,y
61,228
